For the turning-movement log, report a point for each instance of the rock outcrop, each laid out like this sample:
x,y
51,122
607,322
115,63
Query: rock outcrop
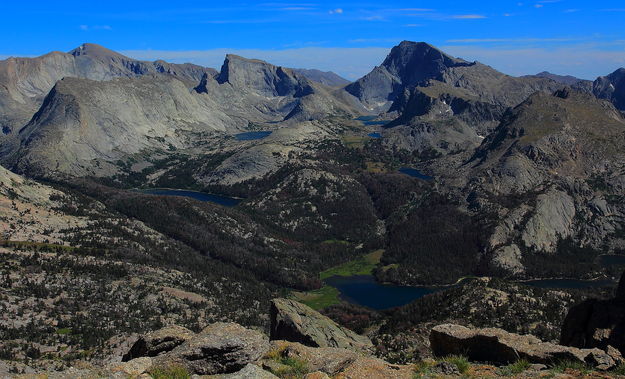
x,y
230,351
597,323
296,322
500,347
219,348
336,362
158,342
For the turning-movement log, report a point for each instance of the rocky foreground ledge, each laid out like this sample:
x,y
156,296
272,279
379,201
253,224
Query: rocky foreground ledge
x,y
306,344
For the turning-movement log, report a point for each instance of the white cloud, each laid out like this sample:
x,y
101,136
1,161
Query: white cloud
x,y
467,16
416,10
336,11
297,8
374,18
413,25
95,27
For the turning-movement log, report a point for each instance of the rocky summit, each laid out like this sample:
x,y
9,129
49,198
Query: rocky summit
x,y
434,218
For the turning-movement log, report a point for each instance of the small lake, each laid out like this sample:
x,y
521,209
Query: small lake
x,y
371,120
201,196
568,283
250,136
415,173
365,291
375,135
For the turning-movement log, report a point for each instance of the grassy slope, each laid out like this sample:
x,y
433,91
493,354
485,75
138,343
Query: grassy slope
x,y
328,295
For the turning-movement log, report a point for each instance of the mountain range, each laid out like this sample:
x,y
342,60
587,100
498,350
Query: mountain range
x,y
427,170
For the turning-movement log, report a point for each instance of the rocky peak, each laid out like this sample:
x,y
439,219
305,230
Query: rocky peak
x,y
263,78
96,51
416,62
407,65
612,87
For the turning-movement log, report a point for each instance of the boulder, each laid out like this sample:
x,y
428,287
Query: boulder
x,y
220,348
500,347
296,322
134,367
340,363
250,371
597,323
615,354
158,342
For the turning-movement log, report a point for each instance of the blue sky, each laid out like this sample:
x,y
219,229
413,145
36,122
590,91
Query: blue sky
x,y
575,37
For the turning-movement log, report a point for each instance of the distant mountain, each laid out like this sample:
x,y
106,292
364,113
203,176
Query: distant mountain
x,y
328,78
24,82
564,79
409,64
85,127
612,87
83,121
262,78
440,104
551,172
418,64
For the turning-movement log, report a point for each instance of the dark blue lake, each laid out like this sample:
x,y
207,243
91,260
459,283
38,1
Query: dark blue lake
x,y
415,173
365,291
249,136
375,135
370,120
201,196
568,283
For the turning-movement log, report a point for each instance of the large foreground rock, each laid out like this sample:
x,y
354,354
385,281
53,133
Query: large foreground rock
x,y
158,342
498,346
220,348
339,363
597,323
296,322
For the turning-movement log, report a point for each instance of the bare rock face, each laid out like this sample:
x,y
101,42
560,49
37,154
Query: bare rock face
x,y
296,322
612,87
498,346
262,78
158,342
24,82
597,323
220,348
328,78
